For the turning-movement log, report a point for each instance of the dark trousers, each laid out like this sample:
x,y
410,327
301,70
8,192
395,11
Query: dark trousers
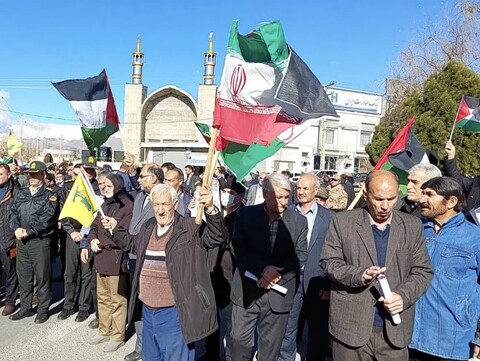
x,y
11,281
315,312
421,356
132,263
213,342
377,348
78,275
33,260
93,285
270,327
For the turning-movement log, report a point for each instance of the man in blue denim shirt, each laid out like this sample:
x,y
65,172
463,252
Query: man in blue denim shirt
x,y
446,315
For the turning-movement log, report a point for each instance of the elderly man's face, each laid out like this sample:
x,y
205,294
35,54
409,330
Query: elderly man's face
x,y
277,200
306,188
415,181
163,208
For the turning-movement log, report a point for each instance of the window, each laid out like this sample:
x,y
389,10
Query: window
x,y
329,136
304,154
365,138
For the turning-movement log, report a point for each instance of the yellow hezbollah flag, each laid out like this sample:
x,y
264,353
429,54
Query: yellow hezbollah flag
x,y
81,203
13,145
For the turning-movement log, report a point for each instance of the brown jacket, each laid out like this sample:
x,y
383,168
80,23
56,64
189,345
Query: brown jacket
x,y
349,250
111,258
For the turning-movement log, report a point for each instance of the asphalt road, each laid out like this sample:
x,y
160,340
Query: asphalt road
x,y
57,340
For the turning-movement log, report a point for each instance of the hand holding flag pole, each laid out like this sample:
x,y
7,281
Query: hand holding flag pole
x,y
90,189
209,170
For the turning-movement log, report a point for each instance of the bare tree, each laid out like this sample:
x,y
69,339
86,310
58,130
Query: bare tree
x,y
457,37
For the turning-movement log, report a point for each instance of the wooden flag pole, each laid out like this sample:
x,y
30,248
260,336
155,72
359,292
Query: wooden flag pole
x,y
209,170
122,139
356,199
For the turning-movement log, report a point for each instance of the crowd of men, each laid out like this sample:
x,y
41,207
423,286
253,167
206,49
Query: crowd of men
x,y
275,262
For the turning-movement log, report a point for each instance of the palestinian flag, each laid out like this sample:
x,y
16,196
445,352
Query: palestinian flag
x,y
468,115
92,101
267,96
205,130
402,154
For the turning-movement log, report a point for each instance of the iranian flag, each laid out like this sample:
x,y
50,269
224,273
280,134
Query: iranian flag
x,y
92,101
267,97
402,154
468,115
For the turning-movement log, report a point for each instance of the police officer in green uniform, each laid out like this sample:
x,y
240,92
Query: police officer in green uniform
x,y
32,218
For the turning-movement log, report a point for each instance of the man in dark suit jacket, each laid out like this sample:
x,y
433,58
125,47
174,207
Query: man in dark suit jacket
x,y
360,245
313,293
270,241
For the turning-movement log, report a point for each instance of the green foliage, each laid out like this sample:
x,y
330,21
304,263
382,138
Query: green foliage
x,y
435,107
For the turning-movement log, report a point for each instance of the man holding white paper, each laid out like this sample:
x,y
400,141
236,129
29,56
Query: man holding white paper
x,y
361,245
270,242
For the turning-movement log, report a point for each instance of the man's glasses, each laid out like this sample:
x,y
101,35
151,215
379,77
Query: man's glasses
x,y
141,176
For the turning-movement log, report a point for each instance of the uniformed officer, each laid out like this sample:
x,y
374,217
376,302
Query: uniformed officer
x,y
78,275
32,218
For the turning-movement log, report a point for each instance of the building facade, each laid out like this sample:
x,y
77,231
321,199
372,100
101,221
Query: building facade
x,y
160,126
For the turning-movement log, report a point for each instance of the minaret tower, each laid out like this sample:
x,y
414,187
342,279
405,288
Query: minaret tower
x,y
207,91
135,95
137,63
209,63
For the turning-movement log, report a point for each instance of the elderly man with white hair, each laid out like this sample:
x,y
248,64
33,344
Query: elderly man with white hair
x,y
171,284
417,175
270,244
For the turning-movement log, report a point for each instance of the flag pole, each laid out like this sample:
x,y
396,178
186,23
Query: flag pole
x,y
357,198
122,139
454,122
92,193
209,167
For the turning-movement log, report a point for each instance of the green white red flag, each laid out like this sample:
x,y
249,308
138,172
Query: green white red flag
x,y
92,100
402,154
267,96
468,115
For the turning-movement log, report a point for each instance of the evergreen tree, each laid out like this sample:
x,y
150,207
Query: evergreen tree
x,y
435,106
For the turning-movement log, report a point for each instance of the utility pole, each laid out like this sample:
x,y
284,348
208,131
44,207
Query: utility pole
x,y
21,136
38,140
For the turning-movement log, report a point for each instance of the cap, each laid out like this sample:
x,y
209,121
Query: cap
x,y
36,167
322,193
91,163
336,177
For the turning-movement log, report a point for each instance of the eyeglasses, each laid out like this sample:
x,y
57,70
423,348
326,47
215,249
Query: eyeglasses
x,y
141,176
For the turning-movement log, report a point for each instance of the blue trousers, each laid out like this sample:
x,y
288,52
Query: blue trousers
x,y
162,338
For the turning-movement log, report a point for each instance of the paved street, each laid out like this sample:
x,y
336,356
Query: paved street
x,y
55,340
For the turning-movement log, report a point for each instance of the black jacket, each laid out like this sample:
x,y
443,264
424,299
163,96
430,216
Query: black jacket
x,y
34,213
470,185
186,258
252,249
7,236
